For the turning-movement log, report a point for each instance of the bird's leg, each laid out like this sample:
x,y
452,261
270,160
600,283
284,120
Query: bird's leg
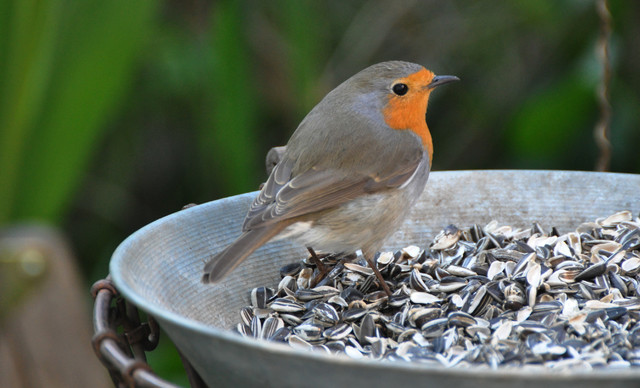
x,y
316,260
374,267
322,269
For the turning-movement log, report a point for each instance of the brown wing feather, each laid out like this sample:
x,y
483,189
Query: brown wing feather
x,y
277,179
317,190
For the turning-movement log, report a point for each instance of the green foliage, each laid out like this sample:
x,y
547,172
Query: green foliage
x,y
66,65
301,27
550,121
228,140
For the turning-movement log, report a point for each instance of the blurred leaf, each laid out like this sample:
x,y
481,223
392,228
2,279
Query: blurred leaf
x,y
228,137
301,21
31,29
624,133
551,120
68,71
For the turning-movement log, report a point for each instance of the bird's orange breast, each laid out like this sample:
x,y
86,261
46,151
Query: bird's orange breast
x,y
408,112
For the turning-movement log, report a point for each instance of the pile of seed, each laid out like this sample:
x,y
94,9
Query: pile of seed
x,y
491,295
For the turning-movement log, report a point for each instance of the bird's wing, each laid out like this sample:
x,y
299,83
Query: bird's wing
x,y
315,190
280,176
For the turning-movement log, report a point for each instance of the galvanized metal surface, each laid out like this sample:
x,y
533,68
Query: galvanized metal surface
x,y
159,269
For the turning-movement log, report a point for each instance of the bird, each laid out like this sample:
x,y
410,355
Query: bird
x,y
351,171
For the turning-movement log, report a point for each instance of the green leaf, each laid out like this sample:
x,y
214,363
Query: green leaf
x,y
71,69
31,31
228,137
550,121
301,23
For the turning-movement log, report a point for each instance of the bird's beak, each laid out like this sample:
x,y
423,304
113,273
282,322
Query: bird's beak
x,y
441,80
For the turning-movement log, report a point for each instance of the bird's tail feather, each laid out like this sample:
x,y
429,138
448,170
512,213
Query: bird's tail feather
x,y
225,261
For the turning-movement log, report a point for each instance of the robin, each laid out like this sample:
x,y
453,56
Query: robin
x,y
350,172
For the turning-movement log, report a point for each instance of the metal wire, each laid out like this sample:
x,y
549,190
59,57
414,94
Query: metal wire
x,y
603,127
124,354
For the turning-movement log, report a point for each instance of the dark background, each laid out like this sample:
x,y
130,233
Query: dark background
x,y
116,113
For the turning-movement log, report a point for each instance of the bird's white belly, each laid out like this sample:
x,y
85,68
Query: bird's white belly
x,y
363,223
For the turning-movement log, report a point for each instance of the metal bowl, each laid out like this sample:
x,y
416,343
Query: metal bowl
x,y
159,268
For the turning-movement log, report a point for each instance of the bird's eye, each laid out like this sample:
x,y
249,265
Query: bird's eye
x,y
400,89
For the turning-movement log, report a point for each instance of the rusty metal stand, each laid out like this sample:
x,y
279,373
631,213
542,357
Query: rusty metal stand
x,y
120,341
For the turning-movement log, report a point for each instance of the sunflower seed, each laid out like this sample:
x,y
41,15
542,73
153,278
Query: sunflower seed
x,y
283,305
493,295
